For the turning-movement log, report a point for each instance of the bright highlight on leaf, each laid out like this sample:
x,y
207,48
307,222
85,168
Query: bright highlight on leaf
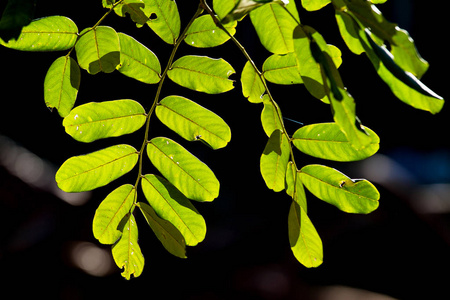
x,y
352,196
126,252
203,74
111,212
137,61
96,169
93,121
193,122
98,50
186,172
171,205
61,85
55,33
327,141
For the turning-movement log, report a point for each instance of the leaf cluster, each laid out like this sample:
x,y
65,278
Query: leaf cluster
x,y
299,56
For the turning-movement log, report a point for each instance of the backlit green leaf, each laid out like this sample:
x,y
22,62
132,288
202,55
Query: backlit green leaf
x,y
53,33
134,8
204,33
303,237
274,161
252,85
203,74
137,61
98,50
237,9
96,169
164,19
126,252
330,185
223,7
111,212
193,122
274,26
166,233
312,5
171,205
282,69
270,116
186,172
61,85
93,121
294,186
327,141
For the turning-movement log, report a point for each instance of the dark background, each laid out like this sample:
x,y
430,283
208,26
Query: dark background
x,y
400,250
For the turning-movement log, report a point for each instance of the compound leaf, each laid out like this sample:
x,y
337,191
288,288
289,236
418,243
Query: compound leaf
x,y
171,205
186,172
166,233
164,19
110,213
54,33
327,141
304,240
96,169
137,61
93,121
274,161
203,74
204,33
193,122
98,50
61,85
126,252
330,185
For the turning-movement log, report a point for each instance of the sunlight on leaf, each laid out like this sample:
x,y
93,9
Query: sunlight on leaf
x,y
110,213
204,33
252,85
96,169
312,5
92,121
61,85
171,205
186,172
126,252
164,19
352,196
282,69
193,122
54,33
294,186
270,116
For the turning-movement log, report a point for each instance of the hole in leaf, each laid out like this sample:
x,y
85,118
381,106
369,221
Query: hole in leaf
x,y
153,17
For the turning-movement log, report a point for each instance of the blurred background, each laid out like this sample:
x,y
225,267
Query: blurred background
x,y
400,251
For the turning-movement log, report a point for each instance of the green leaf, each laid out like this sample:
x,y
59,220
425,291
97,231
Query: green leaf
x,y
186,172
294,186
274,26
349,32
193,122
274,161
98,50
92,121
312,5
171,205
110,213
164,19
166,233
223,7
270,116
135,8
282,69
203,74
137,61
204,33
126,252
327,141
96,169
61,85
330,185
252,85
303,237
53,33
235,10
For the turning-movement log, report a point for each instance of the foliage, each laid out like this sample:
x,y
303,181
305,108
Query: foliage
x,y
299,55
